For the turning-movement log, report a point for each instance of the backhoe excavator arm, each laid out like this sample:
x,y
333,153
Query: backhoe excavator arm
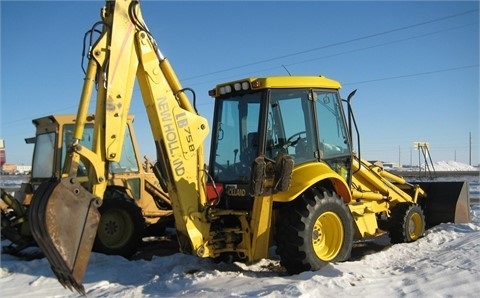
x,y
64,216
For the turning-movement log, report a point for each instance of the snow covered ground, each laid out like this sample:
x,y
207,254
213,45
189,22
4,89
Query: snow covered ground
x,y
444,263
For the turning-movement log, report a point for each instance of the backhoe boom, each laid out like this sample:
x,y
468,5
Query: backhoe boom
x,y
124,51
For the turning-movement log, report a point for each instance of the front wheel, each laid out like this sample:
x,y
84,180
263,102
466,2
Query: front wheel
x,y
121,226
407,223
313,230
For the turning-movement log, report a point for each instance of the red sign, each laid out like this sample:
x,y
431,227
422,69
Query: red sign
x,y
3,158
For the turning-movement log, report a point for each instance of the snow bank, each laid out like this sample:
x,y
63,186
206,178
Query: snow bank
x,y
453,166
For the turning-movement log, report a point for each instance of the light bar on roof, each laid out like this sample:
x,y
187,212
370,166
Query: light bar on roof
x,y
238,86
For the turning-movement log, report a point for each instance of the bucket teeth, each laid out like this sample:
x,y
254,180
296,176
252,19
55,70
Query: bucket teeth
x,y
63,219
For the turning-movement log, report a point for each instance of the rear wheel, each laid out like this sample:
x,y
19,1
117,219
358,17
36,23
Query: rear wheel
x,y
121,226
313,230
407,223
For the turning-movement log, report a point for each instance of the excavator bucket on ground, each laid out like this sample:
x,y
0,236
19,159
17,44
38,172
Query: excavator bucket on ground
x,y
64,225
446,202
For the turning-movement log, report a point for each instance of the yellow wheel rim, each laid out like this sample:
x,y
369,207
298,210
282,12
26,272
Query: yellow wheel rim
x,y
327,236
415,226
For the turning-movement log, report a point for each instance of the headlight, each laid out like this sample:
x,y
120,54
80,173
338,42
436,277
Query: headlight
x,y
225,89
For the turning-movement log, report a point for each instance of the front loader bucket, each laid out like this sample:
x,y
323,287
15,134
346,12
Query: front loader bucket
x,y
446,202
63,219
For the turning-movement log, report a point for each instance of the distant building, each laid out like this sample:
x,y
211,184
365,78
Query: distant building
x,y
386,165
13,169
391,165
23,170
9,168
3,158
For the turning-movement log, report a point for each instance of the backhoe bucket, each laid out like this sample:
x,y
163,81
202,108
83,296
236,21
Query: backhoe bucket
x,y
447,202
64,218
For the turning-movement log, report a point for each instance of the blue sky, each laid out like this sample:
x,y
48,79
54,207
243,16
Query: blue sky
x,y
415,64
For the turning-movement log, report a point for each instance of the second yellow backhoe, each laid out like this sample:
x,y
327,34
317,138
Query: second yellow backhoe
x,y
135,204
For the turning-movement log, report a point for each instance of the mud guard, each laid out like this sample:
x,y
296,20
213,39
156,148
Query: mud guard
x,y
447,202
63,219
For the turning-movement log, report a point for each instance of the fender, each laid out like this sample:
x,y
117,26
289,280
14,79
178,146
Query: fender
x,y
306,175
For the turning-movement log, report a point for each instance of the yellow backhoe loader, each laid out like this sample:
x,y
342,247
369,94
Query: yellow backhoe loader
x,y
282,171
134,203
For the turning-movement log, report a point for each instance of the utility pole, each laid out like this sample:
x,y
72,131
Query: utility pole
x,y
399,160
411,158
470,148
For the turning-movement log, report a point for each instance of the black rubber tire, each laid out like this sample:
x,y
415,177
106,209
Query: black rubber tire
x,y
305,231
121,226
407,223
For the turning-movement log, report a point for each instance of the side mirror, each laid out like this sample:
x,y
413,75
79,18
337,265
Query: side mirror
x,y
270,176
283,172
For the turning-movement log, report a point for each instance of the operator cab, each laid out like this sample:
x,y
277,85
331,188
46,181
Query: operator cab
x,y
55,136
302,118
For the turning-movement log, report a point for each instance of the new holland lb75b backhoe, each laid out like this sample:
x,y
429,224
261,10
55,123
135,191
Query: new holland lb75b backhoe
x,y
281,172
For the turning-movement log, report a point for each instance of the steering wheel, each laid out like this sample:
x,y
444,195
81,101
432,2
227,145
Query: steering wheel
x,y
298,138
220,167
